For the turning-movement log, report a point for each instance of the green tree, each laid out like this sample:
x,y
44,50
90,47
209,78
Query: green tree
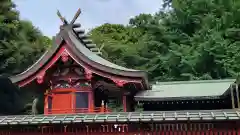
x,y
191,40
21,44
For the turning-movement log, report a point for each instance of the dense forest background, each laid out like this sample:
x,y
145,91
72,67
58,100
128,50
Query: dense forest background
x,y
185,40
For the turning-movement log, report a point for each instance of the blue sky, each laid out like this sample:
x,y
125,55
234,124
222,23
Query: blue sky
x,y
42,13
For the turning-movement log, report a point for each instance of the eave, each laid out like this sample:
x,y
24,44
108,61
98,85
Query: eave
x,y
39,64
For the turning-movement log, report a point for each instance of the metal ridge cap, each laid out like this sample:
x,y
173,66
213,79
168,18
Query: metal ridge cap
x,y
194,82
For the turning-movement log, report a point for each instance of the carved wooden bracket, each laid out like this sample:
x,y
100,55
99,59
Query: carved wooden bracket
x,y
119,83
64,56
88,74
40,77
79,71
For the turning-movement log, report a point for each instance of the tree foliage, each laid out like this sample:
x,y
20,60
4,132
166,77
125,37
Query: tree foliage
x,y
191,40
10,99
21,44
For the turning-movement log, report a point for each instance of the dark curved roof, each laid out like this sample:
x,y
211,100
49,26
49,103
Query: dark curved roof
x,y
36,66
81,46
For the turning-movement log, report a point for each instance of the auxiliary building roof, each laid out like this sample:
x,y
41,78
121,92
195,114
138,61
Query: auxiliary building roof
x,y
186,90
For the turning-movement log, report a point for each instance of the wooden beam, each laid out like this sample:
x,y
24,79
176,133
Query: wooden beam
x,y
64,21
76,16
237,94
232,96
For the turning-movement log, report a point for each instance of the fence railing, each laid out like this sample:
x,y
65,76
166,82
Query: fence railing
x,y
79,110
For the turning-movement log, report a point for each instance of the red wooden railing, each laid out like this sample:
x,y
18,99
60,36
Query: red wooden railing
x,y
79,110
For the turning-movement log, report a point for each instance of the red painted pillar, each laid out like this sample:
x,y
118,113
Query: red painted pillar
x,y
91,102
124,103
46,104
102,109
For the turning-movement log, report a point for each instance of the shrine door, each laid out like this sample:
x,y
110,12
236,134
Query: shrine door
x,y
82,102
62,103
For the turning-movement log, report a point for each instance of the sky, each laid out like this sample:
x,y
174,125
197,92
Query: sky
x,y
42,13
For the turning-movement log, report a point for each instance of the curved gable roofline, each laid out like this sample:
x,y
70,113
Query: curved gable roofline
x,y
97,62
38,64
82,47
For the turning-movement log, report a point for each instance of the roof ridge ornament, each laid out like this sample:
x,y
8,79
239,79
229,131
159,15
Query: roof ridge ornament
x,y
63,19
76,16
78,32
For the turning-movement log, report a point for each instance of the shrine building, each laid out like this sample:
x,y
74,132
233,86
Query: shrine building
x,y
75,78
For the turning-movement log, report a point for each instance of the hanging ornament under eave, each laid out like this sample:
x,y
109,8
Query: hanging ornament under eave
x,y
40,78
88,74
70,80
119,83
64,56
